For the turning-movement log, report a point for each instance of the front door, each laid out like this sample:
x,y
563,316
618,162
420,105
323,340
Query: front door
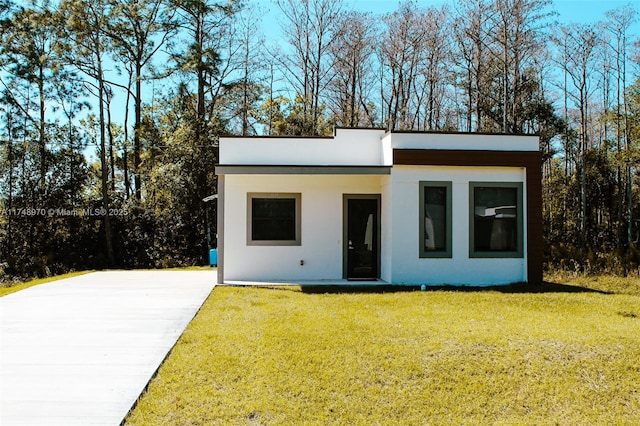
x,y
362,244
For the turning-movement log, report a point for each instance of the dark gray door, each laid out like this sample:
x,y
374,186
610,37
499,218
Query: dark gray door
x,y
362,223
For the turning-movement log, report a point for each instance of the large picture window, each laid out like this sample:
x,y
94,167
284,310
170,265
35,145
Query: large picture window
x,y
495,226
435,219
273,219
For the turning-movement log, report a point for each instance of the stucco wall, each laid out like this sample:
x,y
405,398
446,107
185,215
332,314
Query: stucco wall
x,y
358,147
462,141
386,217
403,240
321,229
321,247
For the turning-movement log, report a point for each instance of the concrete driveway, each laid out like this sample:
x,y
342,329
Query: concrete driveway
x,y
80,351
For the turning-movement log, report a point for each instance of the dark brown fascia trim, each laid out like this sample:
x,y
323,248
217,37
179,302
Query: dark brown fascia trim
x,y
531,161
445,157
235,169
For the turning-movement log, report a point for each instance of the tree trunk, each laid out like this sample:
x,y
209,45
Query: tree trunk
x,y
125,149
112,165
42,134
137,146
104,176
103,161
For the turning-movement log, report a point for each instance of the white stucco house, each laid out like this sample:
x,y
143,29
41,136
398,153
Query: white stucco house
x,y
401,208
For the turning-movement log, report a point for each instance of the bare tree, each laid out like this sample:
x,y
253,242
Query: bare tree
x,y
471,28
251,59
435,69
618,25
401,56
352,53
308,27
415,58
517,33
579,44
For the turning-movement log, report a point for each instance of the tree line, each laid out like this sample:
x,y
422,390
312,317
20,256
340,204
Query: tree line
x,y
111,110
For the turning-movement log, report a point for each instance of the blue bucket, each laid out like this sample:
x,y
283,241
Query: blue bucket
x,y
213,257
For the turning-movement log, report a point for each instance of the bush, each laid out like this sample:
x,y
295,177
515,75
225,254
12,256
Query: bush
x,y
593,260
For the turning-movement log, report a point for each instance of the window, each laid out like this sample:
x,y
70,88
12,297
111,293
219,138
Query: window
x,y
495,225
273,219
435,219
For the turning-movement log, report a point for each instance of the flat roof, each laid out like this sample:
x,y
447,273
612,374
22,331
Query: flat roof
x,y
354,147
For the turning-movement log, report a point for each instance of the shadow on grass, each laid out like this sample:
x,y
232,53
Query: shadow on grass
x,y
545,287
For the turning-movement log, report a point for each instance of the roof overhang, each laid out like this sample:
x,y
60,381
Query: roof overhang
x,y
236,169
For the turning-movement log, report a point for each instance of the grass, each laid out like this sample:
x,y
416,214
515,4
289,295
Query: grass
x,y
284,356
4,290
605,283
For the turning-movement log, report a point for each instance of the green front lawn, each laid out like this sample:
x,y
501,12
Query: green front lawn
x,y
282,356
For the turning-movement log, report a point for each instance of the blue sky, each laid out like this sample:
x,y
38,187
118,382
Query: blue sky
x,y
569,11
579,11
566,12
588,11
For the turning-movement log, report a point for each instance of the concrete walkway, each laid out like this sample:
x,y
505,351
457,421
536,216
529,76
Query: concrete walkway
x,y
80,351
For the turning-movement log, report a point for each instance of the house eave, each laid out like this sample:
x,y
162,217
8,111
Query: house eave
x,y
236,169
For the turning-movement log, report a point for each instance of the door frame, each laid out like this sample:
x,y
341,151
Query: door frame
x,y
345,223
